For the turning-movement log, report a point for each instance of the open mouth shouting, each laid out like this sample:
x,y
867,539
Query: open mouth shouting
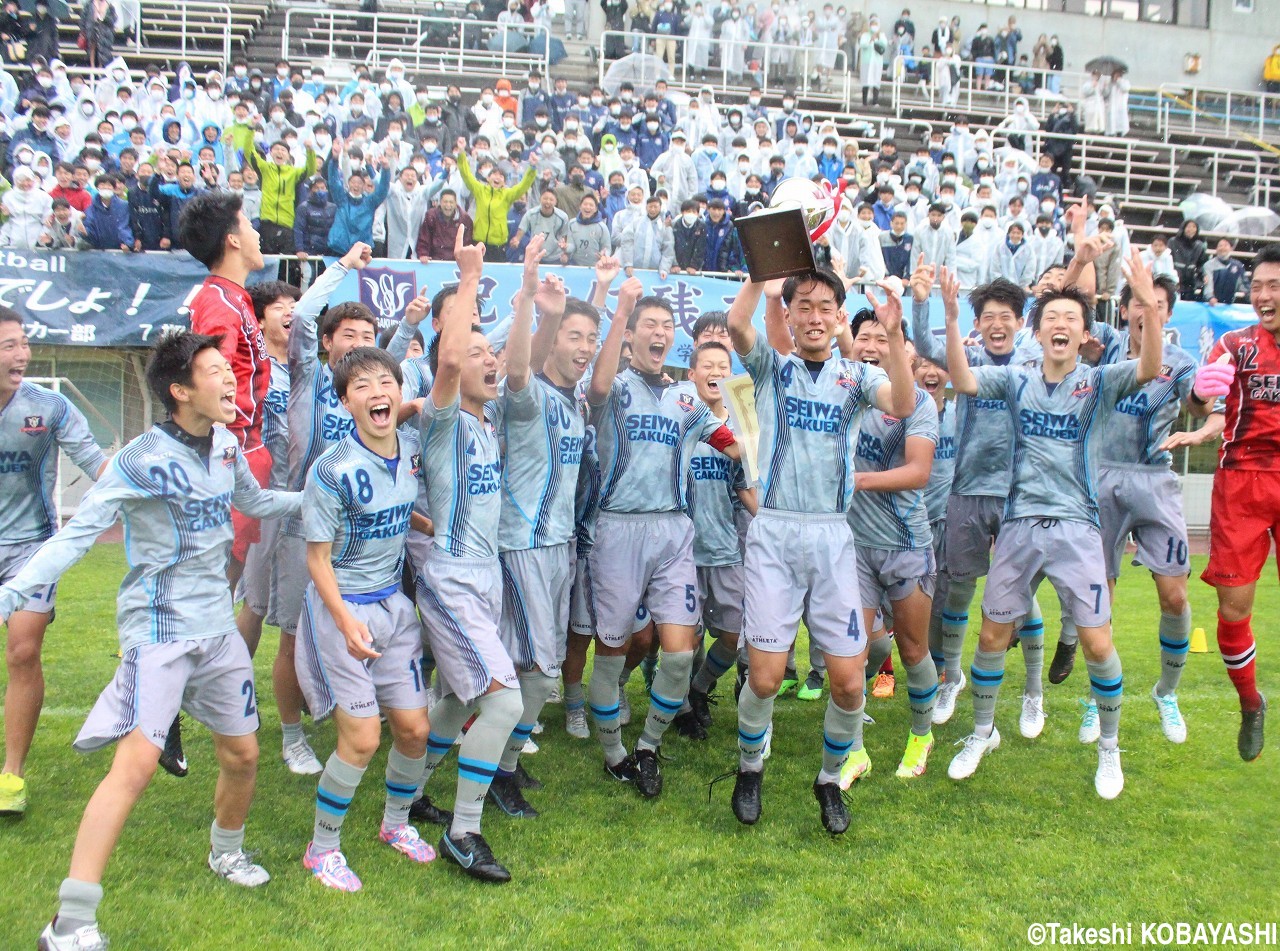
x,y
380,413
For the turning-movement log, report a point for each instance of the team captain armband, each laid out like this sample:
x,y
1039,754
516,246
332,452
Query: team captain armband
x,y
721,439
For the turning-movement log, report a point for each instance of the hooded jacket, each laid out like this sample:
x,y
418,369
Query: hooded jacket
x,y
492,204
354,220
312,221
106,224
148,218
279,185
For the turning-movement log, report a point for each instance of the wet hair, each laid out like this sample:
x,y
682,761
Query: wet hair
x,y
645,303
1162,282
361,359
351,310
206,220
999,291
1071,293
820,275
576,306
703,348
265,293
433,351
173,361
711,320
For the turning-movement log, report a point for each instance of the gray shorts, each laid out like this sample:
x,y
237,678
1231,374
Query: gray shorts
x,y
722,591
798,567
1068,553
12,558
1146,504
973,524
258,579
330,677
642,561
888,574
211,679
291,580
582,611
460,600
417,547
939,530
535,606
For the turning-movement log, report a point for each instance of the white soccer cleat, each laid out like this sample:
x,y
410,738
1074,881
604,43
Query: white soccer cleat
x,y
301,759
624,709
556,695
1175,728
538,727
947,694
767,750
1031,723
965,763
1109,779
1089,728
530,747
575,724
237,868
87,938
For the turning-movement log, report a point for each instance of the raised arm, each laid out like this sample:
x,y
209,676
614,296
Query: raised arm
x,y
605,369
414,314
962,378
927,345
607,270
775,318
1143,287
741,329
455,323
549,304
901,399
520,340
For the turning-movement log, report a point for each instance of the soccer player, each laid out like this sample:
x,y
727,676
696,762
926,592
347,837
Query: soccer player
x,y
717,486
1244,366
980,487
1051,521
317,419
800,549
360,643
459,587
174,487
1138,495
894,545
34,424
543,426
646,429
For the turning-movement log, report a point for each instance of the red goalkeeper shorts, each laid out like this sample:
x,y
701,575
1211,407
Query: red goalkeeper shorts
x,y
1244,520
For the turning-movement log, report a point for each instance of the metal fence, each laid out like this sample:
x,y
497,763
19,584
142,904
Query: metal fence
x,y
190,12
916,86
1217,110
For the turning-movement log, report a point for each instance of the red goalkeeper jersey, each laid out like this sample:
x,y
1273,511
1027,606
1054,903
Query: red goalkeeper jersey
x,y
1251,439
224,307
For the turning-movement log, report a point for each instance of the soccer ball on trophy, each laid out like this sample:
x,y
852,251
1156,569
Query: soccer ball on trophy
x,y
815,199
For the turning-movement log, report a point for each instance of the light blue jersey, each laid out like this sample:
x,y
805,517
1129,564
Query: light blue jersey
x,y
714,483
944,464
462,469
895,521
1142,421
542,429
645,437
586,500
176,507
34,424
317,418
808,427
1055,434
984,431
361,503
275,424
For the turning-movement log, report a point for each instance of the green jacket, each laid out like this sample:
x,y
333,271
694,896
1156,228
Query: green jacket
x,y
280,187
492,204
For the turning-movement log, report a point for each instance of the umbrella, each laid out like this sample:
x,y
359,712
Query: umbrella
x,y
642,70
1254,220
58,9
1106,65
1206,210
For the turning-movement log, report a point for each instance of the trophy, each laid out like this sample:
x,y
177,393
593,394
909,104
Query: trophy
x,y
777,241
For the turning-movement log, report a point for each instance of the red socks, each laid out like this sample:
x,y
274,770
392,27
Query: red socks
x,y
1235,641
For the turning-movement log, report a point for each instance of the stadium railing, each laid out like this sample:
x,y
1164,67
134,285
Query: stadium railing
x,y
314,31
768,58
911,89
201,31
1182,107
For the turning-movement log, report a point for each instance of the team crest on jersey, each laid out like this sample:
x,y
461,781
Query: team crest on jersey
x,y
1166,372
415,463
685,402
229,456
889,420
846,379
1082,389
34,425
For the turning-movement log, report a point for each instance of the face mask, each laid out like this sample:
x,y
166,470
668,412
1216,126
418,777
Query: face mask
x,y
282,73
844,217
86,109
652,127
576,179
1047,207
423,98
912,197
866,225
615,110
689,218
571,142
319,197
753,101
385,88
717,185
829,150
357,110
548,148
800,151
395,136
90,163
597,100
744,167
1044,231
788,104
240,71
277,118
541,122
487,99
508,123
323,142
534,87
430,148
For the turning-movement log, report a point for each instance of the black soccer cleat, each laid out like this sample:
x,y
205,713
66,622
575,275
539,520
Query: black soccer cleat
x,y
1250,740
505,791
1064,659
687,725
701,704
624,771
524,780
424,810
472,854
172,759
835,815
746,796
648,773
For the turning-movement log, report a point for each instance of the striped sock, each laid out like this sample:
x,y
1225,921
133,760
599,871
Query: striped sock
x,y
497,715
985,677
447,718
1175,641
403,773
535,688
754,716
670,688
1235,642
955,624
337,786
602,698
922,694
1106,680
718,661
840,728
1031,636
